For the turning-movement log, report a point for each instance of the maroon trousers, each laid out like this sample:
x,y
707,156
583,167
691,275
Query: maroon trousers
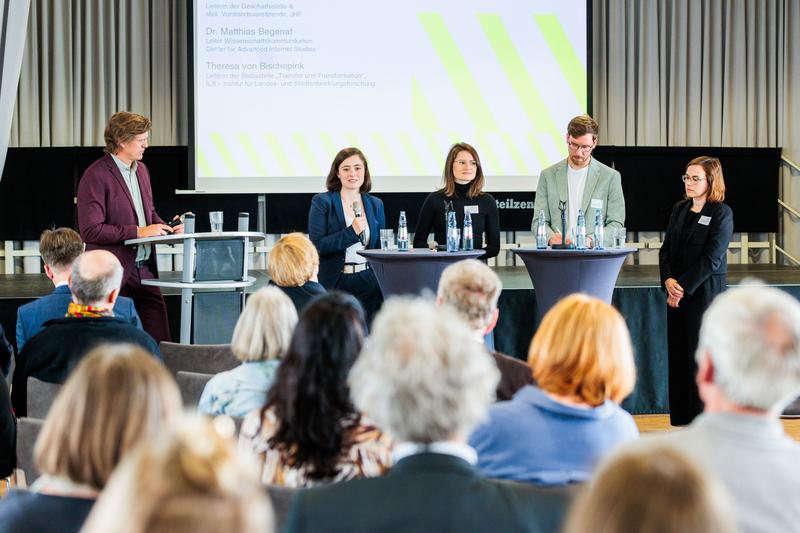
x,y
149,303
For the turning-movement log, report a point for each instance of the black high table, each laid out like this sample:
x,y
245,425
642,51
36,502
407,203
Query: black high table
x,y
558,273
413,271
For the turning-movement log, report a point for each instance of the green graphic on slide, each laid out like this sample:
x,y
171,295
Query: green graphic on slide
x,y
458,71
307,154
280,156
328,144
424,119
521,81
252,154
564,54
386,153
519,161
225,154
411,153
203,168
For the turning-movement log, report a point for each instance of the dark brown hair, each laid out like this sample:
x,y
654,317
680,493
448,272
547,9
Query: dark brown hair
x,y
581,125
476,185
122,127
333,183
60,247
713,170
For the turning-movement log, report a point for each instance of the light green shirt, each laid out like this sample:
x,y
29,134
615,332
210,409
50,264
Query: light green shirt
x,y
129,175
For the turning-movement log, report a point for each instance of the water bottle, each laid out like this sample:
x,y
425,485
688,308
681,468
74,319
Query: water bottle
x,y
599,230
541,232
580,231
402,233
452,232
467,231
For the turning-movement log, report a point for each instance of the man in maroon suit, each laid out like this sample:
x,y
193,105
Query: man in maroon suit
x,y
115,203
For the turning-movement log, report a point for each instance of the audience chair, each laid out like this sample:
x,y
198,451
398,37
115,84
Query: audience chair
x,y
191,385
27,432
201,358
792,410
40,397
281,503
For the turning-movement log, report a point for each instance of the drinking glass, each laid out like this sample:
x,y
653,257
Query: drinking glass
x,y
215,218
387,239
619,237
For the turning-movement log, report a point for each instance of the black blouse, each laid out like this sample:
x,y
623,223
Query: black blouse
x,y
485,219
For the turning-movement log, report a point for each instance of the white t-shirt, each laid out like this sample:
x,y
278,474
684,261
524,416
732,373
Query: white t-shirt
x,y
576,183
350,255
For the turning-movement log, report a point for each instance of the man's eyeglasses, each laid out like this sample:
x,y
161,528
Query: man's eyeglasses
x,y
575,147
686,178
465,163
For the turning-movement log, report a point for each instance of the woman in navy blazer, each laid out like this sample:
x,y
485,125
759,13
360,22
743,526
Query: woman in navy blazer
x,y
693,267
339,234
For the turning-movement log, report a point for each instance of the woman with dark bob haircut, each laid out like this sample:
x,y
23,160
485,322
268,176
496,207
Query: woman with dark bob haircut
x,y
309,432
343,221
462,192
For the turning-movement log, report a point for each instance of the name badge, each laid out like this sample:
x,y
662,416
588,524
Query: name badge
x,y
470,209
704,220
597,203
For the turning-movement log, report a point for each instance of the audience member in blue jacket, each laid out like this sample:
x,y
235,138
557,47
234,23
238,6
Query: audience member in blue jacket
x,y
59,247
340,231
556,432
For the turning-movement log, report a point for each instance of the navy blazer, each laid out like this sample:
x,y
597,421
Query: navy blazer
x,y
32,316
705,250
332,236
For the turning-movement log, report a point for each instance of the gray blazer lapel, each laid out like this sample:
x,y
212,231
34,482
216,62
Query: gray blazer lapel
x,y
591,183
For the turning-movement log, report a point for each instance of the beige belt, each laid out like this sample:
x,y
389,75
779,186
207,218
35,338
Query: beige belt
x,y
352,268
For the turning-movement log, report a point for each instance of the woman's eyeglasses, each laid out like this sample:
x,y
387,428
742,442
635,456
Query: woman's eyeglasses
x,y
686,178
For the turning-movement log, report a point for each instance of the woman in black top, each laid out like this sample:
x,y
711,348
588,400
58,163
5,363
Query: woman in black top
x,y
463,187
693,265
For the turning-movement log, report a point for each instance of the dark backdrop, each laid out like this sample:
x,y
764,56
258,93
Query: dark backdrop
x,y
38,187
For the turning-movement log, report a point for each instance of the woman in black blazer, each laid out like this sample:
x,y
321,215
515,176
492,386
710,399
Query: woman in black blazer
x,y
693,265
338,234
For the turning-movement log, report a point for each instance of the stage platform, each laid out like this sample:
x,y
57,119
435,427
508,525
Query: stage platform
x,y
637,295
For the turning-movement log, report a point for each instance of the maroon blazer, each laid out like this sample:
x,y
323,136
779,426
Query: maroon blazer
x,y
106,216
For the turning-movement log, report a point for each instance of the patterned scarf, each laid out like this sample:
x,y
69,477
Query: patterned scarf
x,y
83,311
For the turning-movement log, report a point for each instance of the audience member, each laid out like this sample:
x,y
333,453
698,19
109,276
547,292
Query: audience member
x,y
424,378
260,341
52,353
8,432
293,266
118,397
472,289
653,489
59,248
309,432
6,353
748,369
188,480
556,431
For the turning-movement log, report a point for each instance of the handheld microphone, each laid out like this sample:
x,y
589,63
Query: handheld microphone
x,y
357,212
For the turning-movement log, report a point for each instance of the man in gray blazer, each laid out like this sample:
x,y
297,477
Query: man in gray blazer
x,y
581,182
748,359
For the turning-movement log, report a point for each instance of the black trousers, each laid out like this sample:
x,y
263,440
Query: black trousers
x,y
364,286
683,330
149,303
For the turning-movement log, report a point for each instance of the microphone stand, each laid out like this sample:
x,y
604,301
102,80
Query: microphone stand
x,y
562,206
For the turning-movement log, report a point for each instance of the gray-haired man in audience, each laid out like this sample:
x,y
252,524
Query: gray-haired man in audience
x,y
51,354
424,379
748,370
472,289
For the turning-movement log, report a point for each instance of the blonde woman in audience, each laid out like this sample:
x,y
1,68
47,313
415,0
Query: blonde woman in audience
x,y
190,479
555,432
309,432
117,397
293,266
260,340
651,489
